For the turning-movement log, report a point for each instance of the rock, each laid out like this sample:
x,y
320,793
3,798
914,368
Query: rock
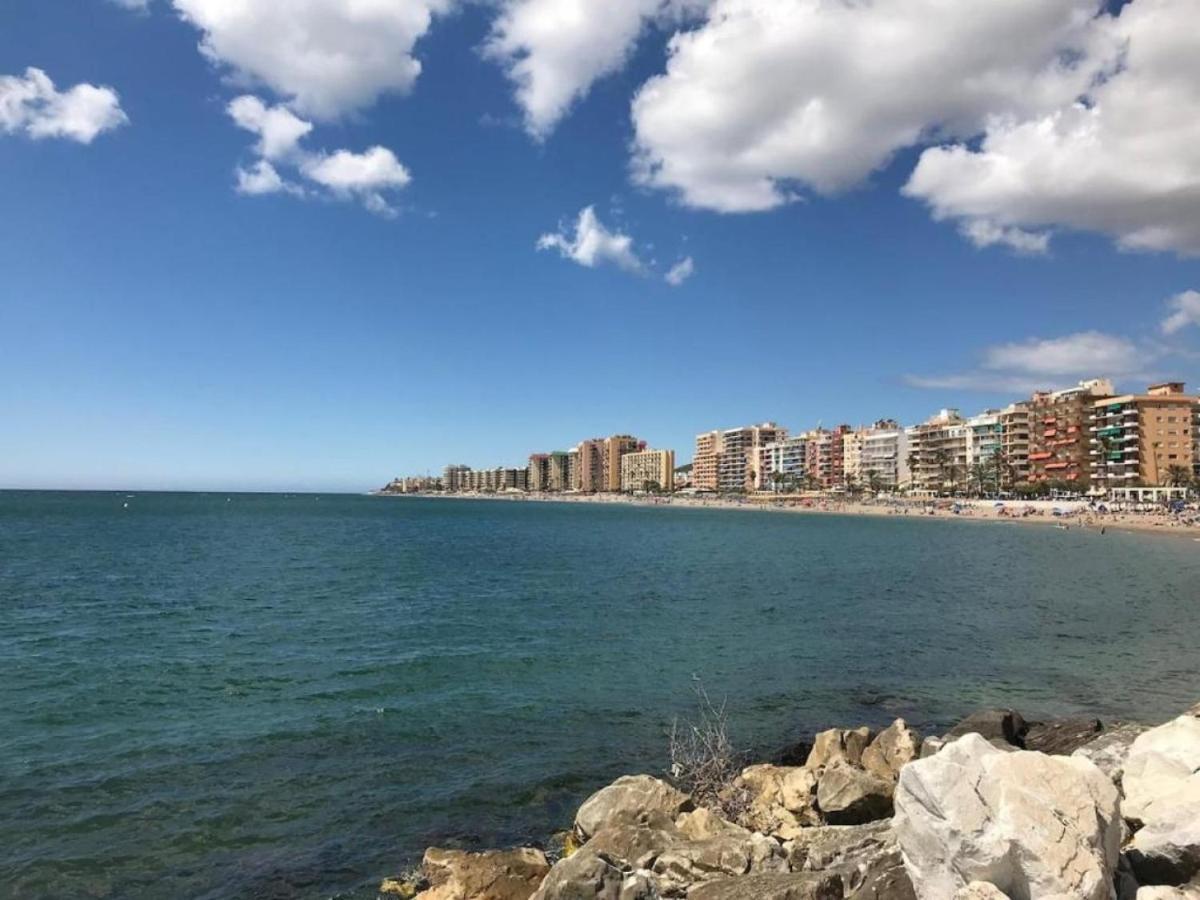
x,y
703,823
1162,771
629,800
685,865
849,796
587,875
782,800
1167,849
980,890
636,846
397,887
992,724
930,746
493,875
837,745
866,857
1194,711
893,748
1187,892
1110,750
792,886
1032,825
1062,736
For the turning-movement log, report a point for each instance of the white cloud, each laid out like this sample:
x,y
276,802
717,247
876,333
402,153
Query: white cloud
x,y
772,94
34,106
363,175
983,233
680,272
279,129
1074,354
326,57
592,244
1184,311
139,5
344,174
1121,161
554,50
978,381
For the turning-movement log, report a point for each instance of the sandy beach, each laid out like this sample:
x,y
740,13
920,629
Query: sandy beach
x,y
1066,514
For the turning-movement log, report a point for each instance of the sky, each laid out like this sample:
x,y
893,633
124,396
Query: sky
x,y
249,245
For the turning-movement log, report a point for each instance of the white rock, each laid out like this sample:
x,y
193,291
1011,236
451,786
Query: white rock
x,y
1167,849
1162,769
629,800
980,890
1030,824
1168,893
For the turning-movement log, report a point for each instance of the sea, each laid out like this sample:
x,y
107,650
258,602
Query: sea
x,y
292,695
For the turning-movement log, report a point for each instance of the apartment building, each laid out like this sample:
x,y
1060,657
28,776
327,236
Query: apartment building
x,y
937,452
615,448
784,463
852,446
1144,440
1014,444
1059,433
731,460
648,468
884,454
597,464
826,456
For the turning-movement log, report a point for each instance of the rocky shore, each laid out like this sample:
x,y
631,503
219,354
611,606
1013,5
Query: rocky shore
x,y
996,808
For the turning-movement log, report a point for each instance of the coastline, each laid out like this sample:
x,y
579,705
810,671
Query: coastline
x,y
1073,514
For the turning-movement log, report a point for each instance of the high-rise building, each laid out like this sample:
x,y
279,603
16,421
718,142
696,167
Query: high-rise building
x,y
1144,440
1014,446
884,456
731,460
642,469
784,463
852,447
616,447
456,479
706,461
937,452
597,466
1059,433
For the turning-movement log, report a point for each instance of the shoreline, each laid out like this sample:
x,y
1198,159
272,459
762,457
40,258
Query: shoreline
x,y
1075,514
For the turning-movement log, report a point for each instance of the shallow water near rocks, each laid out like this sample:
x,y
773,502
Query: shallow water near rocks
x,y
273,696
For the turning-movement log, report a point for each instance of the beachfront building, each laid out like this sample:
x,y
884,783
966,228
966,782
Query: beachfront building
x,y
784,463
1059,433
883,458
465,480
937,453
648,470
1144,440
985,451
825,456
852,446
731,460
597,464
456,479
1014,444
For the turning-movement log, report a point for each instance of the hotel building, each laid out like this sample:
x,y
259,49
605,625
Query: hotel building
x,y
1144,439
1059,441
642,468
731,460
597,463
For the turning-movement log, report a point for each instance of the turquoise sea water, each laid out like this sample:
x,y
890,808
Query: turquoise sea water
x,y
268,696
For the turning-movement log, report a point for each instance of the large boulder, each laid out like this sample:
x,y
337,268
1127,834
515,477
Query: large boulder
x,y
1162,770
629,801
703,823
866,857
781,799
587,875
980,890
1062,736
636,846
492,875
1187,892
1032,825
1167,849
893,748
771,886
1005,725
850,796
1110,750
838,745
684,865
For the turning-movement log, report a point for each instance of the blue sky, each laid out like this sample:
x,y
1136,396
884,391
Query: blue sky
x,y
388,314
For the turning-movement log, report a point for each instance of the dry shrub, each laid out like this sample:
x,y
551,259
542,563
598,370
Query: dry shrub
x,y
704,761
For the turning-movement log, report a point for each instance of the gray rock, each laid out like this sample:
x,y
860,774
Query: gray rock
x,y
893,748
866,857
1062,736
849,796
1033,825
980,890
636,846
1162,772
838,745
1110,750
684,865
630,800
703,823
993,724
1167,849
793,886
930,746
585,875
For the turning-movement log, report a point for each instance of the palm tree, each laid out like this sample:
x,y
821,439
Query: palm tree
x,y
941,459
874,482
1178,476
978,476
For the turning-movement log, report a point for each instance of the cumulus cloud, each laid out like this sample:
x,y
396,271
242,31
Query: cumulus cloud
x,y
1119,159
343,174
768,97
33,105
1184,310
984,233
1074,354
592,244
680,272
326,57
554,50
